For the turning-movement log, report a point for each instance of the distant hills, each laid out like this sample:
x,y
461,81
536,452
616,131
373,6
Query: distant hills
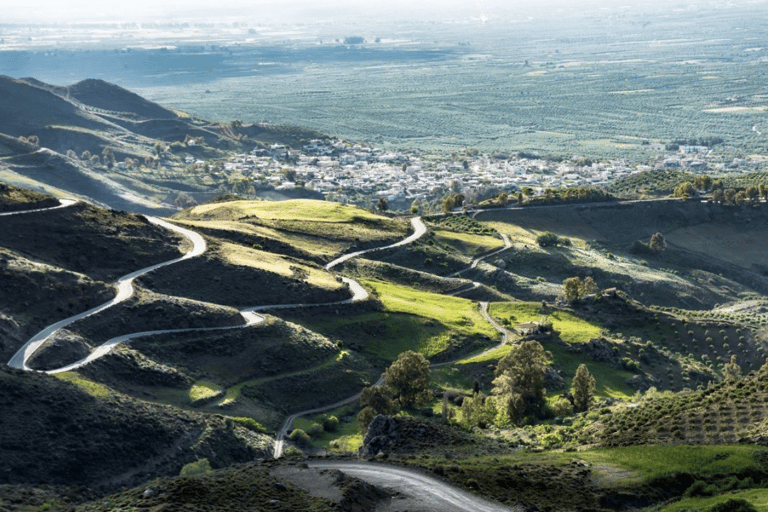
x,y
97,141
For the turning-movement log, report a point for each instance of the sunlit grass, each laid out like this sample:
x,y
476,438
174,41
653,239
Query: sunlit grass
x,y
204,390
246,257
461,315
571,328
757,497
90,387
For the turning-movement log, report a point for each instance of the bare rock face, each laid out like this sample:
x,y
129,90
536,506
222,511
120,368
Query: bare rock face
x,y
381,436
391,435
66,347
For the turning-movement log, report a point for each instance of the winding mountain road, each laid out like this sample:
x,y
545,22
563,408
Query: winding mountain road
x,y
428,492
432,494
419,230
126,290
63,203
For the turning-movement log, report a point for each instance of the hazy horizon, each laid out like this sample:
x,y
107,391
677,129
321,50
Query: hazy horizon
x,y
48,11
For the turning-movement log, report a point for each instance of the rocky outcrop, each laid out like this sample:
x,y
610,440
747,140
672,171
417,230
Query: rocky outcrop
x,y
398,434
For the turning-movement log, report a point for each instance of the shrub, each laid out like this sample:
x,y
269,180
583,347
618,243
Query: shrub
x,y
700,488
562,407
547,239
331,423
299,437
199,467
315,430
734,505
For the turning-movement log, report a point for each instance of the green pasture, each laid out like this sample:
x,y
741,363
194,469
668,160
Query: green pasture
x,y
571,328
457,314
758,498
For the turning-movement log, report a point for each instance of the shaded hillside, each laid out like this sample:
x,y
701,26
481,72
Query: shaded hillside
x,y
82,238
25,108
69,177
60,433
716,249
110,97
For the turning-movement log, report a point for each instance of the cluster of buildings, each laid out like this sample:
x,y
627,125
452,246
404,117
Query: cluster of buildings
x,y
362,174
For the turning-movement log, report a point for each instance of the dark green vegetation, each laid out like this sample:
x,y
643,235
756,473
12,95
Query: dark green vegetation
x,y
647,329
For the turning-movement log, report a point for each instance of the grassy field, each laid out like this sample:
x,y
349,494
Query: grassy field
x,y
236,229
232,394
425,322
204,390
385,335
650,462
304,216
346,438
92,388
758,498
246,257
571,328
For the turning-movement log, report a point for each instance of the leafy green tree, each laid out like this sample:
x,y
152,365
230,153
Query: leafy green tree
x,y
582,389
477,411
379,398
365,417
703,182
657,243
330,423
588,287
382,205
519,383
685,190
731,370
572,289
408,377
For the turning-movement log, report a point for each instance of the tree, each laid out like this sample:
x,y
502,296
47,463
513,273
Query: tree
x,y
685,190
657,243
702,182
408,377
379,398
588,287
477,411
382,205
448,205
572,289
582,388
519,383
731,370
